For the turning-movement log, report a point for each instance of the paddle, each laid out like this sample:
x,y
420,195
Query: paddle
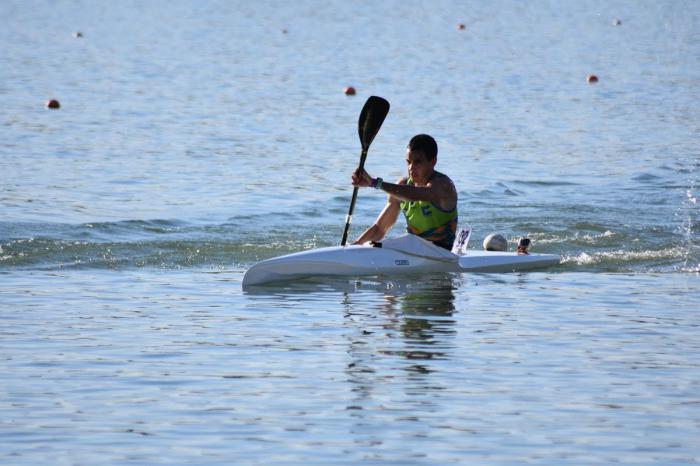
x,y
371,118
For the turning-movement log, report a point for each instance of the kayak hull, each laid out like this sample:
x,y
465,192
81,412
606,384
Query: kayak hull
x,y
405,255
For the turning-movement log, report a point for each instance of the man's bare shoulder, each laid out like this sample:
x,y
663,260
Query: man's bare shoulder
x,y
442,181
446,191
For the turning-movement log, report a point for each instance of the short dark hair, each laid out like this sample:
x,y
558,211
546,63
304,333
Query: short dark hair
x,y
424,143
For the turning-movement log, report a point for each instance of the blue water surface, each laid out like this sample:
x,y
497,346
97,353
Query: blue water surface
x,y
197,138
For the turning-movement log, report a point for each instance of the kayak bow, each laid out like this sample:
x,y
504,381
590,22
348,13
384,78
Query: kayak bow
x,y
398,256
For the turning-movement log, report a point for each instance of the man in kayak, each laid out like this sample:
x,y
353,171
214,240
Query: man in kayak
x,y
427,198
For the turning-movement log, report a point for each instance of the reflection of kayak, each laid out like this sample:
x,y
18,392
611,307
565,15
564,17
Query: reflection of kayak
x,y
398,256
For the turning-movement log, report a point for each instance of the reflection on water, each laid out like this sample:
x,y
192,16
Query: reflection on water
x,y
395,344
427,323
433,371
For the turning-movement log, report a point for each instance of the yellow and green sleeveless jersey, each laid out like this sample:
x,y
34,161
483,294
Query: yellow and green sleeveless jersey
x,y
429,221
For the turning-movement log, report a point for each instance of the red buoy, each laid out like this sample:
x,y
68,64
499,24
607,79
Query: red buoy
x,y
349,90
53,103
592,79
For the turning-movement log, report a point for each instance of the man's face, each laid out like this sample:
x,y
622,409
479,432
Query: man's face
x,y
419,167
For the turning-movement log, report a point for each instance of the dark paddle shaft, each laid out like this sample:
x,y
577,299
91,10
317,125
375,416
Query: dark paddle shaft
x,y
371,118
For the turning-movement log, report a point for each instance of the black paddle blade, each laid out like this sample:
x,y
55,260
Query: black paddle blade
x,y
371,118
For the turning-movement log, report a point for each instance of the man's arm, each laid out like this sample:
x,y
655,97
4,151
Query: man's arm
x,y
383,224
440,192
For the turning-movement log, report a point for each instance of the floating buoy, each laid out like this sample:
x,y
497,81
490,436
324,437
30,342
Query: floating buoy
x,y
461,26
616,22
284,31
592,79
349,90
78,34
53,103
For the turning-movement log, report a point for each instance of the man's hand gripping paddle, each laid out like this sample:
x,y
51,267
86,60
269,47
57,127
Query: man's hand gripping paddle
x,y
371,118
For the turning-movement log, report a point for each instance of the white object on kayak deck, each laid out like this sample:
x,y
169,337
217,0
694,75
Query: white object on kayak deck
x,y
397,256
495,242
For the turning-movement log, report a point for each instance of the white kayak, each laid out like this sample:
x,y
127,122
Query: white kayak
x,y
397,256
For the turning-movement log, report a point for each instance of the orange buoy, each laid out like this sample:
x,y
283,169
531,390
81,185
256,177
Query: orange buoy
x,y
53,103
592,79
349,90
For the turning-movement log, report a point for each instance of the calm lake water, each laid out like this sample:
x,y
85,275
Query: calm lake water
x,y
197,138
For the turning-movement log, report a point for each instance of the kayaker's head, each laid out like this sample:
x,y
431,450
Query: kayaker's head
x,y
421,157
